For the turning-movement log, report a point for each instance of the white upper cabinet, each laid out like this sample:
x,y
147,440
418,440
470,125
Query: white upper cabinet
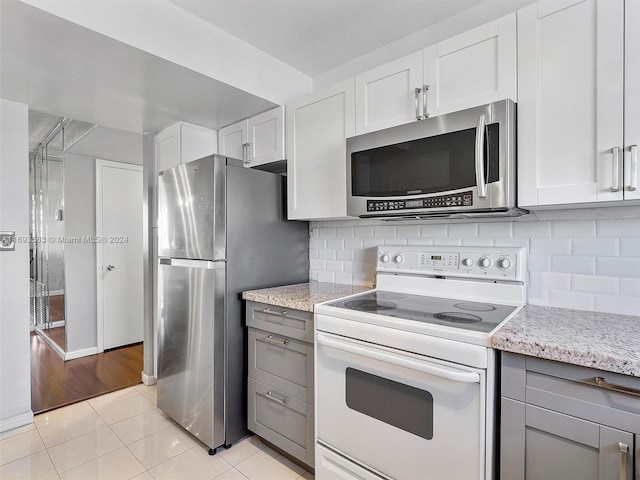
x,y
572,139
257,140
183,142
386,95
473,68
317,127
470,69
632,100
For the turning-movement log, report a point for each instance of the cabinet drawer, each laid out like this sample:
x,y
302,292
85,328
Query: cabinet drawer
x,y
283,321
282,362
283,420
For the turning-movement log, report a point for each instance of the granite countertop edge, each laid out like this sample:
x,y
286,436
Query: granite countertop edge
x,y
603,341
302,296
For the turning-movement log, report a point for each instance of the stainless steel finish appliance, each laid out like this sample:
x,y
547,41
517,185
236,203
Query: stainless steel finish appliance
x,y
461,164
222,230
409,364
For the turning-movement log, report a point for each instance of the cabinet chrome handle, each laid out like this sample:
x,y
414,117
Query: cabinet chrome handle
x,y
273,312
246,153
111,267
615,184
602,383
424,101
417,97
275,341
480,174
624,452
270,396
633,168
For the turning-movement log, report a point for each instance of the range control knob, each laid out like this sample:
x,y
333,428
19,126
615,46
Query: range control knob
x,y
398,258
467,262
504,263
384,258
484,262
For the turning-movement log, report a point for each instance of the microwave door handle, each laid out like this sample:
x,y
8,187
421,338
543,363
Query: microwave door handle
x,y
481,180
417,97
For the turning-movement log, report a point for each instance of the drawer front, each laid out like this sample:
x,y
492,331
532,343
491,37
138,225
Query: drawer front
x,y
283,321
280,418
281,362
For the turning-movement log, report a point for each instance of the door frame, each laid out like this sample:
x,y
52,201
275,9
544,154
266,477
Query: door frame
x,y
99,211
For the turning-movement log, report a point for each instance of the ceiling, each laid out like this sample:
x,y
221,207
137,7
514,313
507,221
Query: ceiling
x,y
315,36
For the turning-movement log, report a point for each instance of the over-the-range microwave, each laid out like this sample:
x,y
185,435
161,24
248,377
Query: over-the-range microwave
x,y
460,164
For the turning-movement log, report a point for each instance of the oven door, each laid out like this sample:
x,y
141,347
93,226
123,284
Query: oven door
x,y
403,415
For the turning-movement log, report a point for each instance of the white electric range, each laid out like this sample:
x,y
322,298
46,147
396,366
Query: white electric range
x,y
405,379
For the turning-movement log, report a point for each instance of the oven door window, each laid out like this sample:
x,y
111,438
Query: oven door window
x,y
428,165
394,403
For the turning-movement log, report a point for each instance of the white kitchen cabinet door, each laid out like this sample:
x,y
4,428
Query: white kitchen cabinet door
x,y
474,68
197,142
632,100
570,101
317,127
232,140
167,143
266,137
385,95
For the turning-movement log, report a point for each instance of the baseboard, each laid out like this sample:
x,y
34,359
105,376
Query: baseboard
x,y
56,348
17,421
149,379
80,353
56,292
59,323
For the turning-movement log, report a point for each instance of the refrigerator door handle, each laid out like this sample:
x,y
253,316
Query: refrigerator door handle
x,y
181,262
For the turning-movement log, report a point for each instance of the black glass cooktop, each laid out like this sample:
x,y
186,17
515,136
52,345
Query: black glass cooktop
x,y
477,316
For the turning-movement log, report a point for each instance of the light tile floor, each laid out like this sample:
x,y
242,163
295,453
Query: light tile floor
x,y
122,435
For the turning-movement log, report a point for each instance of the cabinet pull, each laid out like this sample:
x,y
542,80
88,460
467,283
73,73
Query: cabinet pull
x,y
270,396
633,168
424,101
417,97
615,184
480,175
246,153
602,383
268,311
624,452
275,341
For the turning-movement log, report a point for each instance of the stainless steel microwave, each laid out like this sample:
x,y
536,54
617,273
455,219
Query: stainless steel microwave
x,y
460,164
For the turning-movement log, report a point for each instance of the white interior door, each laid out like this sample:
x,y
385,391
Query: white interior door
x,y
119,253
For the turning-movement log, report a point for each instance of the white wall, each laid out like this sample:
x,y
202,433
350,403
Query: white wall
x,y
15,386
586,260
80,258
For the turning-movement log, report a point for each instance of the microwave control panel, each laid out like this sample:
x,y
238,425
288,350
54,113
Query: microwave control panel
x,y
462,199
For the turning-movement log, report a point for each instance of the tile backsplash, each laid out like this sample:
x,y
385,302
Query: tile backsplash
x,y
574,261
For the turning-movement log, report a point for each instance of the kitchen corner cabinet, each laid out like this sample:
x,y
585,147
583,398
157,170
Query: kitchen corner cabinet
x,y
257,140
557,423
280,378
317,128
476,67
578,102
183,142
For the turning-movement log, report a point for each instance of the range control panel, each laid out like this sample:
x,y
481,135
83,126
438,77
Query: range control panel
x,y
454,261
462,199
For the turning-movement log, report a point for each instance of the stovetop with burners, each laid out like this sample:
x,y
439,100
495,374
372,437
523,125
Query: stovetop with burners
x,y
456,313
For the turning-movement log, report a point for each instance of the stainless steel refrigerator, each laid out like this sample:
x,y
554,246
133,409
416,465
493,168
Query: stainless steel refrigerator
x,y
222,230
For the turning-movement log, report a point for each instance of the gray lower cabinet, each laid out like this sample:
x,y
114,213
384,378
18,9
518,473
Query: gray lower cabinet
x,y
280,378
560,421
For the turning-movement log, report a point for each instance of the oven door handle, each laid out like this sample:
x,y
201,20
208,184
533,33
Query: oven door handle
x,y
399,360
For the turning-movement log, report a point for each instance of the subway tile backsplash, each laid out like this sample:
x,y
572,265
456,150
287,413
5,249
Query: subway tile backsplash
x,y
574,262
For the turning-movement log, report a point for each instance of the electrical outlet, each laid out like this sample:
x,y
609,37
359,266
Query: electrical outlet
x,y
7,241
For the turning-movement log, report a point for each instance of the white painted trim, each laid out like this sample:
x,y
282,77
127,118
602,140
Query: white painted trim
x,y
99,284
59,323
149,379
56,292
16,421
80,353
56,348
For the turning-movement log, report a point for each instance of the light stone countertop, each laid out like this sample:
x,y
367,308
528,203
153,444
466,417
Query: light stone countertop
x,y
604,341
302,296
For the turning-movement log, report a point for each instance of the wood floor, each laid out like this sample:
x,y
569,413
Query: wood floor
x,y
56,308
55,383
57,335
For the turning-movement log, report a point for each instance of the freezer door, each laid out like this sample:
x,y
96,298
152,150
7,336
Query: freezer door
x,y
192,211
191,359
